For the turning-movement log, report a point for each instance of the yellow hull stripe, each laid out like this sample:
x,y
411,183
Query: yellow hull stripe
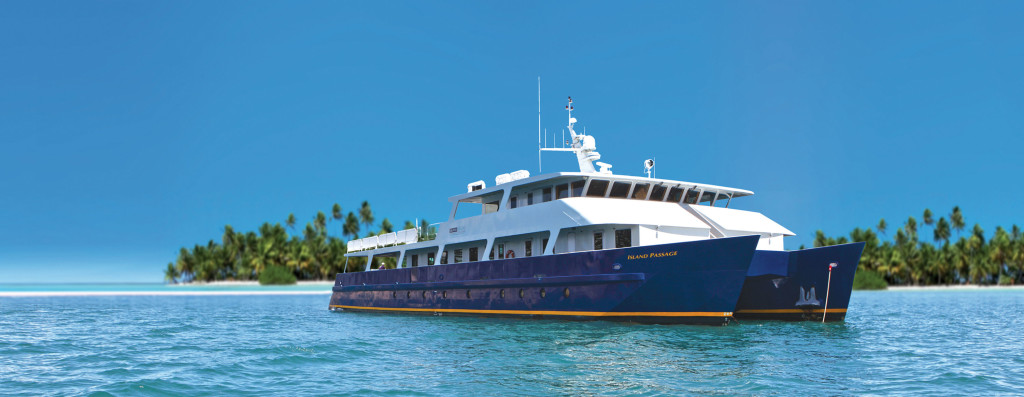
x,y
542,312
795,311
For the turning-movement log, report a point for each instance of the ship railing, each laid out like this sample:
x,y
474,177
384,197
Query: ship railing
x,y
407,236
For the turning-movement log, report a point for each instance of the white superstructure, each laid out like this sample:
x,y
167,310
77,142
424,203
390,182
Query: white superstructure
x,y
523,215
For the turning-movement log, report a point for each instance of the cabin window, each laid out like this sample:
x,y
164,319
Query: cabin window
x,y
707,197
623,238
691,196
546,194
513,201
619,190
529,247
544,243
674,195
597,188
473,254
501,251
577,188
658,192
640,191
444,257
598,241
458,256
415,262
430,259
562,191
529,198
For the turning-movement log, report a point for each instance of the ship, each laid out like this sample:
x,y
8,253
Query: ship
x,y
594,245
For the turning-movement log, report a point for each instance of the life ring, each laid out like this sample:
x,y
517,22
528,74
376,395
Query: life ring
x,y
510,254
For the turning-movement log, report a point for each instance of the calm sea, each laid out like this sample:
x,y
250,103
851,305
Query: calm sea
x,y
893,342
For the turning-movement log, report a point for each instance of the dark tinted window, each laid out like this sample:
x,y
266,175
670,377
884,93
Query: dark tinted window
x,y
598,241
640,191
674,195
513,201
430,259
691,196
707,197
562,191
658,192
444,257
458,256
473,254
597,188
544,243
415,262
577,188
619,190
623,238
529,247
529,198
547,194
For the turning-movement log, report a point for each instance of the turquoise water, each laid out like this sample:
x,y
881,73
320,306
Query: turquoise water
x,y
159,287
905,342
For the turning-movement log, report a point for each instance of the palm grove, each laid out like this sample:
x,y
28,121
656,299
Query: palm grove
x,y
966,259
313,255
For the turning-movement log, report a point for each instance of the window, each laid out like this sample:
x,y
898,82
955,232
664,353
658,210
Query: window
x,y
513,201
562,191
529,198
529,247
640,191
658,192
577,188
490,207
546,194
619,190
598,241
545,244
415,261
691,196
501,251
674,195
490,255
430,259
458,256
473,254
597,188
444,257
623,238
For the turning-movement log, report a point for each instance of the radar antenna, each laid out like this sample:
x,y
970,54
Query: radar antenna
x,y
585,147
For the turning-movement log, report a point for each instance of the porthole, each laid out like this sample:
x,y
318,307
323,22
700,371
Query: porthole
x,y
444,294
502,293
543,293
521,293
394,294
408,294
565,293
467,294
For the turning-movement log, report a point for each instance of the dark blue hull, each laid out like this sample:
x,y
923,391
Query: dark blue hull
x,y
792,285
695,282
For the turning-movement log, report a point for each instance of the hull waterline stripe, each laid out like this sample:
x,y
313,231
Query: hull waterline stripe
x,y
784,311
542,312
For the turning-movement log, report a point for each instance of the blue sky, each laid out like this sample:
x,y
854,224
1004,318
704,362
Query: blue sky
x,y
130,129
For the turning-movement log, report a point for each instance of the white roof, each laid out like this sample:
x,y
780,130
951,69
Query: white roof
x,y
741,221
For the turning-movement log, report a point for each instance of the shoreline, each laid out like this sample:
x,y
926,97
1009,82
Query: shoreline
x,y
958,287
247,284
44,294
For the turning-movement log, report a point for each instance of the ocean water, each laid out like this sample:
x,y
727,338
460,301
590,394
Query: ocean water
x,y
893,342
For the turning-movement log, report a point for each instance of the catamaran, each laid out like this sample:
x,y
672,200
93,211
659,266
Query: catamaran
x,y
591,244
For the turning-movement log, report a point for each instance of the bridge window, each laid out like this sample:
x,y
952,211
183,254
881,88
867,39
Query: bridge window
x,y
562,191
674,195
577,188
658,192
691,196
597,188
707,197
546,195
619,190
640,191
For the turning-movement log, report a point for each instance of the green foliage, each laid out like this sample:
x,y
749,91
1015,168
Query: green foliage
x,y
868,280
311,255
969,259
277,275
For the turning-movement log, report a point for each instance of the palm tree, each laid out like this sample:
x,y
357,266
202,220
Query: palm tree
x,y
336,214
957,220
881,226
320,223
290,221
386,226
941,232
927,218
171,274
911,228
351,226
366,214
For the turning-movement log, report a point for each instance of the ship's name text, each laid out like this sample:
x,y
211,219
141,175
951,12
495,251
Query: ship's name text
x,y
652,255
